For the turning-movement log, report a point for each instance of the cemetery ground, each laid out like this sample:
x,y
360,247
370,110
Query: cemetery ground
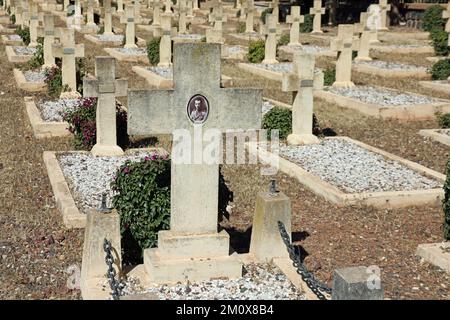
x,y
36,250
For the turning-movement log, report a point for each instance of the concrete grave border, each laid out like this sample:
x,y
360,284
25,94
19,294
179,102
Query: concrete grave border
x,y
290,55
241,55
5,29
404,112
15,58
442,86
402,50
126,57
23,84
435,135
163,83
44,129
95,40
391,36
386,73
387,199
72,217
9,42
434,254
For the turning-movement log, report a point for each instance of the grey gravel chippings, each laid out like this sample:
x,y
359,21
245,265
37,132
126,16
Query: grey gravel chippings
x,y
112,37
54,110
305,48
132,51
165,72
354,169
391,65
260,282
381,96
90,177
189,36
24,51
284,67
14,37
34,76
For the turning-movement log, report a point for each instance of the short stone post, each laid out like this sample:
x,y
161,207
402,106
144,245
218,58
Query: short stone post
x,y
168,6
182,20
90,15
317,11
195,4
301,82
249,11
189,9
295,19
34,24
130,27
343,44
156,13
364,38
374,22
266,242
99,226
385,7
165,45
120,6
270,49
275,10
357,283
106,88
47,31
68,51
107,17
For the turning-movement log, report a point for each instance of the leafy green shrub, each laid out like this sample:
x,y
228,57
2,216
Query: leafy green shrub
x,y
24,33
439,39
432,18
153,50
256,51
284,40
240,27
307,25
82,123
280,119
53,79
446,205
80,73
38,57
143,202
444,120
264,14
440,70
329,76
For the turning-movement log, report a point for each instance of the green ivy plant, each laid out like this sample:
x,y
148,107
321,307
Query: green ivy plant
x,y
329,76
278,119
153,50
38,57
439,39
307,25
440,70
240,27
446,204
142,200
284,40
24,33
432,18
256,51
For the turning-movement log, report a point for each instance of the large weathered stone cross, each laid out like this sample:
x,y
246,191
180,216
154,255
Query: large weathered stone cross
x,y
317,10
271,31
108,11
47,31
68,51
196,76
446,15
295,19
105,88
344,47
301,82
130,34
385,7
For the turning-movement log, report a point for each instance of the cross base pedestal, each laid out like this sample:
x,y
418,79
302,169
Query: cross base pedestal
x,y
106,151
343,84
363,59
301,139
193,257
270,61
316,31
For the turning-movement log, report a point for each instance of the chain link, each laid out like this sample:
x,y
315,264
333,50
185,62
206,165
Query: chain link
x,y
111,272
317,287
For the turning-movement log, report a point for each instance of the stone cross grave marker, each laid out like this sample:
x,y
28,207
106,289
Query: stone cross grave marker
x,y
105,87
385,7
168,6
301,82
47,31
90,14
130,34
165,45
25,14
446,15
34,24
182,19
271,31
19,13
275,9
374,22
238,4
192,248
249,11
212,6
295,19
108,10
344,46
195,5
120,6
78,17
157,5
317,10
190,8
365,35
214,35
66,5
68,51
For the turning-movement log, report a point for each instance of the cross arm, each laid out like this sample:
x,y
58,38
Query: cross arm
x,y
79,50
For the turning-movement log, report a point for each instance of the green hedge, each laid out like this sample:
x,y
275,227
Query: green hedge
x,y
432,18
256,51
440,70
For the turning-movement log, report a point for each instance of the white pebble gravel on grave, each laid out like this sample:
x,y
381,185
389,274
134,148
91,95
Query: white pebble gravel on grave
x,y
90,177
354,169
34,76
189,36
304,48
284,67
260,282
112,37
22,51
399,46
132,51
54,110
165,72
14,37
381,96
234,49
391,65
444,131
266,107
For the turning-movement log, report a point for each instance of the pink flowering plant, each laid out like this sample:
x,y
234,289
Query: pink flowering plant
x,y
142,199
82,123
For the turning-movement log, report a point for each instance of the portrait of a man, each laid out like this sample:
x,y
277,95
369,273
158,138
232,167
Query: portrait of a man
x,y
198,109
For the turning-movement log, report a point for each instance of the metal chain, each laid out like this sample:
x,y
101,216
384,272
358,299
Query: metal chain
x,y
317,287
111,272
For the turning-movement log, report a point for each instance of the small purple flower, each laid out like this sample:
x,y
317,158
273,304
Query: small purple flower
x,y
126,170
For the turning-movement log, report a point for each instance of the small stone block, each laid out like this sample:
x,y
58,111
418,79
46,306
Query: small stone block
x,y
438,254
354,284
